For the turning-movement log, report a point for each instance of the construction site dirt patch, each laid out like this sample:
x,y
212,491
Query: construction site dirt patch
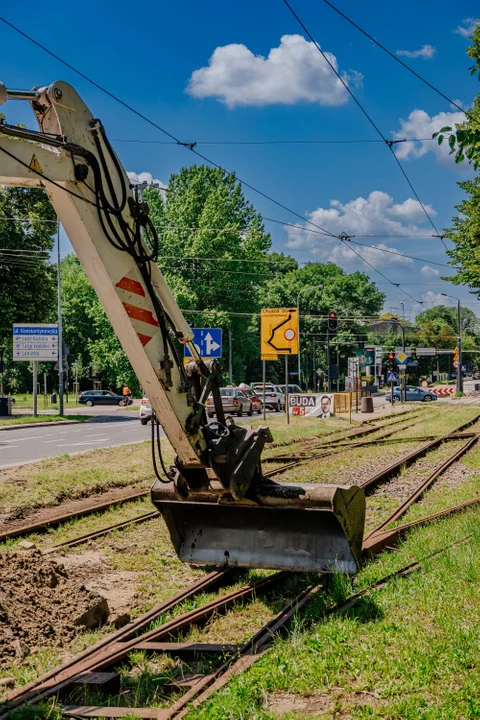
x,y
41,605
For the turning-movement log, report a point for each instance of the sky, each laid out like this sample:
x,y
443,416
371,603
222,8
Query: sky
x,y
229,72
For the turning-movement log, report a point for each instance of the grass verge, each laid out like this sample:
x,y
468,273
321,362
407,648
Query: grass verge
x,y
27,419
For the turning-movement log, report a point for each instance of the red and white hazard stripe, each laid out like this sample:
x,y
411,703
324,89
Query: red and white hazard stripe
x,y
443,390
137,308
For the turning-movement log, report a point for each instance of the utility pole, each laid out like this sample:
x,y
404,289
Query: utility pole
x,y
60,334
309,287
328,362
2,368
459,384
230,373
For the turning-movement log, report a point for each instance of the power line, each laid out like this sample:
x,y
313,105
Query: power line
x,y
189,146
272,142
389,143
395,57
410,257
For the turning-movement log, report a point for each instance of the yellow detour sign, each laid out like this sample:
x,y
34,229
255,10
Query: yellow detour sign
x,y
278,332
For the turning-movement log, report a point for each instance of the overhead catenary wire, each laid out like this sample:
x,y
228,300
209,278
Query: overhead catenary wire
x,y
388,143
191,146
273,142
395,57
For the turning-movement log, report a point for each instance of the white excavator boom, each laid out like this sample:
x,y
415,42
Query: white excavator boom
x,y
217,505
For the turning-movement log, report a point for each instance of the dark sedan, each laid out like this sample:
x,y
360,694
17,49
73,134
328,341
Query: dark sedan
x,y
101,397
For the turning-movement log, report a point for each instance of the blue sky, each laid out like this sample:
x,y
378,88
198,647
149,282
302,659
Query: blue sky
x,y
266,82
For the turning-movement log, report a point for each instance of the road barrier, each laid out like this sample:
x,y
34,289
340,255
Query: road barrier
x,y
443,390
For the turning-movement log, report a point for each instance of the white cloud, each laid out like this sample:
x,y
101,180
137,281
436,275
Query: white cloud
x,y
341,254
147,177
429,273
426,52
420,124
375,215
466,27
430,298
292,72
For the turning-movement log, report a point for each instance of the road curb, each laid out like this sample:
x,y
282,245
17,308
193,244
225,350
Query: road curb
x,y
20,426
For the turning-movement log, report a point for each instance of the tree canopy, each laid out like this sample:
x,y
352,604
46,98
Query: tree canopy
x,y
27,278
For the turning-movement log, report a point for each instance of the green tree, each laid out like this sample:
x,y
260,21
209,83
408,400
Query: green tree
x,y
323,287
27,277
214,255
438,327
464,142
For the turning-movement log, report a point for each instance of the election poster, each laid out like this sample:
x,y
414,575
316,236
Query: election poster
x,y
319,405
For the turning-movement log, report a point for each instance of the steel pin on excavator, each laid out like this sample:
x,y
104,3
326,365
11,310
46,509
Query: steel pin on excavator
x,y
218,506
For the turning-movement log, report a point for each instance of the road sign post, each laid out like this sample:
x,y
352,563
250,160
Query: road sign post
x,y
278,336
286,390
35,388
35,343
264,374
278,332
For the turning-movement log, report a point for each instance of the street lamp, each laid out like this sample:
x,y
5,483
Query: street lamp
x,y
308,287
459,341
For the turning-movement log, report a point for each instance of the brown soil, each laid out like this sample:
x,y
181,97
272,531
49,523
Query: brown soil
x,y
338,703
119,588
24,517
41,605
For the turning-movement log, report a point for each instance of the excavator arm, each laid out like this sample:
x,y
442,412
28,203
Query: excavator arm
x,y
216,503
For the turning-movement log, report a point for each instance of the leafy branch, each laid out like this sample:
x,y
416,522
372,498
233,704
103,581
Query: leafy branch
x,y
464,143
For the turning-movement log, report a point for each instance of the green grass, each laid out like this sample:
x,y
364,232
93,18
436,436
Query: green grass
x,y
25,400
26,419
407,651
51,481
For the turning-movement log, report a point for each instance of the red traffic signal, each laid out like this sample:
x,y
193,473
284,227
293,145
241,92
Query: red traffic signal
x,y
391,356
332,321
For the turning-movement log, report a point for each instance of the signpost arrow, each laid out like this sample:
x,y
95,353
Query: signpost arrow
x,y
210,344
274,330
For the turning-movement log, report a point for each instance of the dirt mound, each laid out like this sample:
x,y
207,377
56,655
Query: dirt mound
x,y
41,605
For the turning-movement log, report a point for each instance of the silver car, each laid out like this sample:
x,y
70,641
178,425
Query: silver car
x,y
234,401
274,397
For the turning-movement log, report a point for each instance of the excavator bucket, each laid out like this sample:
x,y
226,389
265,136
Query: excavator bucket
x,y
316,528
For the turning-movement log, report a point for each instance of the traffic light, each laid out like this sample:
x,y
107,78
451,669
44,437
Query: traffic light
x,y
455,354
391,361
332,321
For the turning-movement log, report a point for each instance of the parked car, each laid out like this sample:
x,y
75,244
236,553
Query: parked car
x,y
103,397
413,394
256,400
292,389
234,400
145,411
274,397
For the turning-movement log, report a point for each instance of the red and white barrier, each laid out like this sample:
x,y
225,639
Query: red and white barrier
x,y
443,390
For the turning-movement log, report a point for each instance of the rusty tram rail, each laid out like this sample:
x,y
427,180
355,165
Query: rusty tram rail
x,y
95,664
59,519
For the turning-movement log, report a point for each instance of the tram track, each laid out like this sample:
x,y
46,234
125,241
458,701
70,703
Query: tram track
x,y
101,660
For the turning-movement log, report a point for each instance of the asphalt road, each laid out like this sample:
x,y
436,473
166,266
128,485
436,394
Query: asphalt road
x,y
102,430
35,443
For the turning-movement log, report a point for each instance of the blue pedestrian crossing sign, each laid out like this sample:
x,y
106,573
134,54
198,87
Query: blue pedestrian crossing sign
x,y
208,342
392,376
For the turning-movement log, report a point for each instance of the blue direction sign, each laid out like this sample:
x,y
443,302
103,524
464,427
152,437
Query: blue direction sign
x,y
392,376
35,342
208,342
